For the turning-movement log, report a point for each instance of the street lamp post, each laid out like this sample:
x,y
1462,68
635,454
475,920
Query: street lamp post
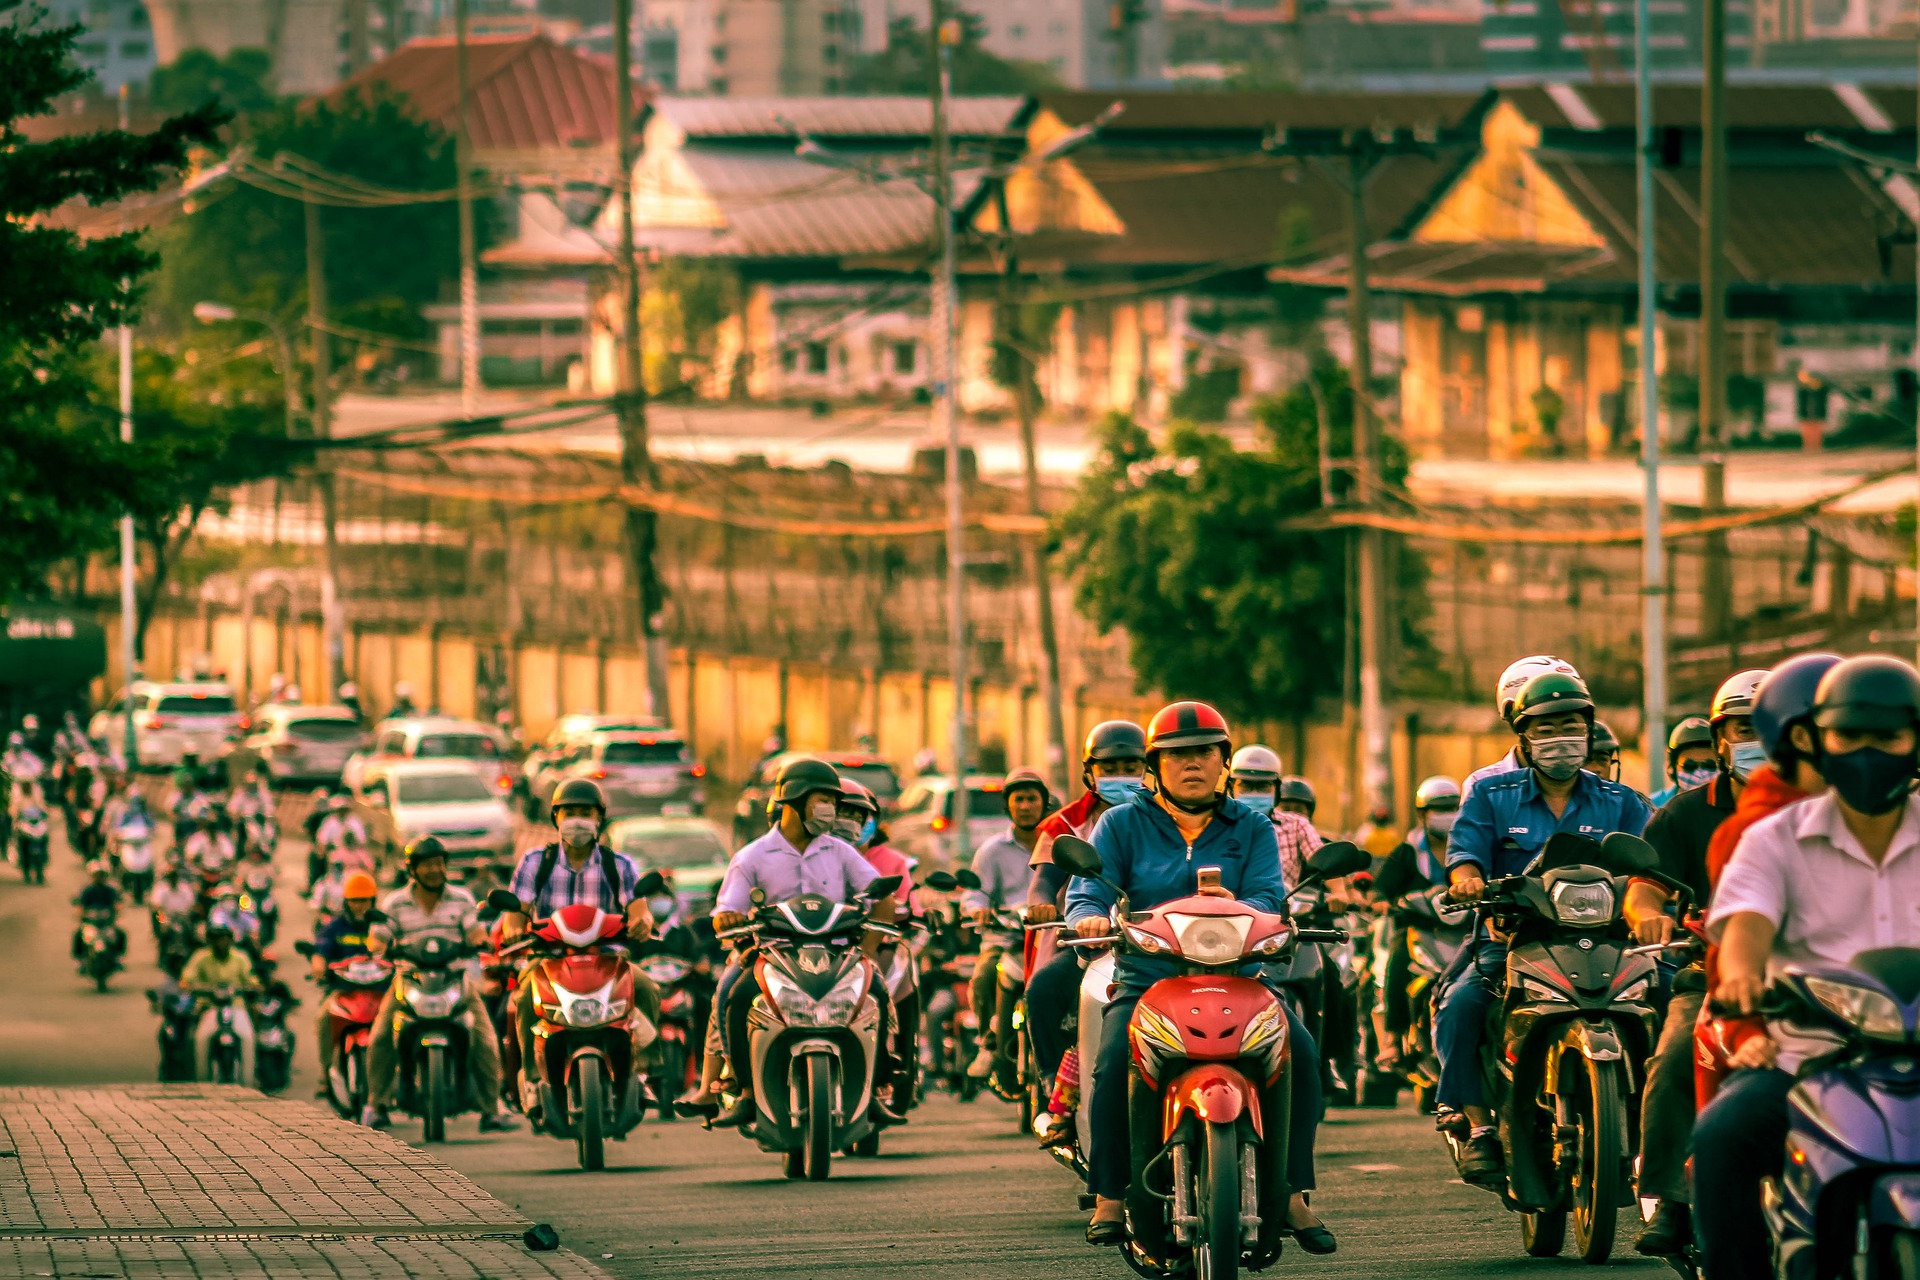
x,y
221,313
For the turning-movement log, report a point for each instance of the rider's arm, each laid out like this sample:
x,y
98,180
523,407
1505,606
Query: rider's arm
x,y
976,901
1470,847
1089,899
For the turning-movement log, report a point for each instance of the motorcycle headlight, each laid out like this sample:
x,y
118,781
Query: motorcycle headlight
x,y
1583,904
1866,1011
1638,991
432,1004
1534,990
1211,939
834,1009
585,1011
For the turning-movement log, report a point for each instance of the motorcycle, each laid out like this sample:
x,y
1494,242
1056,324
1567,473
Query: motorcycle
x,y
430,1039
1435,935
1212,1053
583,1085
30,844
178,1012
223,1058
1565,1050
101,946
952,1028
682,1030
133,848
256,886
273,1040
260,836
814,1027
354,989
175,937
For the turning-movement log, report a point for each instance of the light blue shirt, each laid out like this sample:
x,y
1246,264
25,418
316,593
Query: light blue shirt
x,y
1506,820
829,866
1508,763
1001,864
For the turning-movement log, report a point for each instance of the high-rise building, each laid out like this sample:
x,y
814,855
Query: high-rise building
x,y
117,45
1085,44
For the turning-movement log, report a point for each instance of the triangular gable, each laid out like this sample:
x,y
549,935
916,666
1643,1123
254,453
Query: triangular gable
x,y
1054,196
1504,195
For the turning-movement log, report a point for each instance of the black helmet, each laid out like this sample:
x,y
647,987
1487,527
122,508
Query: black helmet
x,y
1025,777
424,848
1550,693
578,791
1602,740
1114,740
801,776
1694,731
1298,788
1873,691
1785,698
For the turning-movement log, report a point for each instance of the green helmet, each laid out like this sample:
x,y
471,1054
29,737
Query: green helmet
x,y
802,776
1550,693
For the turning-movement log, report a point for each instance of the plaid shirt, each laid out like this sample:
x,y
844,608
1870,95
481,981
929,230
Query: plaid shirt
x,y
565,886
1298,839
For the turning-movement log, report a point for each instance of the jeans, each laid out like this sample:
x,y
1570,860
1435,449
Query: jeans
x,y
1475,984
1053,1009
1109,1152
1666,1111
1738,1140
483,1053
203,1041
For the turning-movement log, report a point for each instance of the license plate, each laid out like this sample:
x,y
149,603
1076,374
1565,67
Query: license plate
x,y
655,786
676,809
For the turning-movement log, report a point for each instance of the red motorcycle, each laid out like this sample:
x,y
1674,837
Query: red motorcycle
x,y
355,987
582,1084
1209,1089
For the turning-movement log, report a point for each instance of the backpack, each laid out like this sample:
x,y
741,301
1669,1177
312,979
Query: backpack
x,y
609,871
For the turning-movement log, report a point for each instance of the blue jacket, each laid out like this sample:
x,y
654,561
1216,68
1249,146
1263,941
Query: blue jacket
x,y
1143,852
1505,820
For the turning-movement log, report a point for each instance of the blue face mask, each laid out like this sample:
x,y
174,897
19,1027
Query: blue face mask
x,y
867,829
1747,756
1262,803
1117,790
1697,776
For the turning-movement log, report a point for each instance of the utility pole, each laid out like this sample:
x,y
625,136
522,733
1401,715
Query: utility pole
x,y
1375,735
1653,582
636,461
1916,367
1716,583
469,269
330,620
946,375
129,554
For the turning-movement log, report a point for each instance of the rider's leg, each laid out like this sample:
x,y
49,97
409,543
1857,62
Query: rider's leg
x,y
203,1043
1666,1114
1053,1001
382,1060
1738,1141
1109,1149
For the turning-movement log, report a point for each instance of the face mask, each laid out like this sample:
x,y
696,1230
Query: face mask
x,y
1559,758
1442,822
1261,803
578,831
867,830
1117,790
819,820
1747,756
846,828
1698,776
660,907
1870,780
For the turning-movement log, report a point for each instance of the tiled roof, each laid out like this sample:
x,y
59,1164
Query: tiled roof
x,y
1255,113
895,117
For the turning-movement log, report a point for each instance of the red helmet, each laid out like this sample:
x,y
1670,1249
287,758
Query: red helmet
x,y
1188,724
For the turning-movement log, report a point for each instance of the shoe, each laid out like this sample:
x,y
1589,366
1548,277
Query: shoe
x,y
1105,1233
740,1113
982,1065
1483,1163
499,1122
1668,1233
696,1106
376,1118
884,1115
1314,1239
1055,1130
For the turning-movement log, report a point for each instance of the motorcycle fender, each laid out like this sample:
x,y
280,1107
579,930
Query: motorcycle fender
x,y
440,1038
1896,1202
827,1047
1596,1041
1212,1092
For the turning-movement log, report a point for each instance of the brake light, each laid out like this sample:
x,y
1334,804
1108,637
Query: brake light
x,y
155,722
246,722
504,782
698,771
599,774
941,824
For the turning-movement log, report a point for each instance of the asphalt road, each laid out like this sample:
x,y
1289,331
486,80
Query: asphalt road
x,y
956,1195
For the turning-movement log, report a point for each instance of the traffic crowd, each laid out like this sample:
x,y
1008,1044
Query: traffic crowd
x,y
1604,998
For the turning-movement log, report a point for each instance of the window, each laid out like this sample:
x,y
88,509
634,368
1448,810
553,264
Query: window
x,y
829,21
878,778
566,328
509,328
197,704
1017,32
133,49
816,357
92,48
441,788
679,847
644,753
918,799
138,16
906,357
830,53
315,729
787,359
392,743
456,746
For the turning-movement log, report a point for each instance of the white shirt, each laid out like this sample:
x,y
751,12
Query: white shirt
x,y
1803,870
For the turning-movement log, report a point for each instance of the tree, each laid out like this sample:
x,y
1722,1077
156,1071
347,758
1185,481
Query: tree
x,y
241,81
64,474
902,67
1186,547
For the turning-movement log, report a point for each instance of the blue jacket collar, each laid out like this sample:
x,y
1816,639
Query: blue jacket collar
x,y
1583,782
1229,810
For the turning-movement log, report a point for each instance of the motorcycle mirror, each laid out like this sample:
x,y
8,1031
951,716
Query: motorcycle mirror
x,y
1629,853
1339,858
941,882
651,883
883,887
504,900
1076,855
966,879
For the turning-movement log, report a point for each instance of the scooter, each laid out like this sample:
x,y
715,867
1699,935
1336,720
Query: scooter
x,y
223,1056
273,1040
814,1028
355,987
133,847
681,1031
1213,1054
583,1084
177,1010
430,1039
30,844
101,946
256,887
175,937
1435,935
946,983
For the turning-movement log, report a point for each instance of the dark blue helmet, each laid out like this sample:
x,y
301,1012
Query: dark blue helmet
x,y
1785,698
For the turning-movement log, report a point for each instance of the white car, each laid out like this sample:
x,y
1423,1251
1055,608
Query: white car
x,y
442,798
921,824
302,744
171,719
481,749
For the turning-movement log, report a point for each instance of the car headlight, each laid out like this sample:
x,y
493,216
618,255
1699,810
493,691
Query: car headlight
x,y
433,1004
1535,990
1583,903
1866,1011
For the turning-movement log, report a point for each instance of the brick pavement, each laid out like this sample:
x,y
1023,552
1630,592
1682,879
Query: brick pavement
x,y
205,1181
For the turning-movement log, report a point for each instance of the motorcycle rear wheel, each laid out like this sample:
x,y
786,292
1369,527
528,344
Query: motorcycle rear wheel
x,y
1217,1255
1596,1183
1544,1234
819,1127
356,1074
590,1124
433,1110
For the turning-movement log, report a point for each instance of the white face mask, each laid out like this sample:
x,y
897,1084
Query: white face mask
x,y
578,831
1440,821
820,818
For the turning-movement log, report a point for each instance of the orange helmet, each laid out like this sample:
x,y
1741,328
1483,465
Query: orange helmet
x,y
360,885
1187,724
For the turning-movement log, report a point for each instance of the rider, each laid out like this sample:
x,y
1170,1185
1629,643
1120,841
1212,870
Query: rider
x,y
1504,822
1150,848
1505,692
339,825
1822,880
207,848
173,894
341,938
798,854
220,964
578,869
402,701
1001,863
98,894
1418,865
1692,758
857,821
428,908
1254,779
1680,832
1603,752
1296,795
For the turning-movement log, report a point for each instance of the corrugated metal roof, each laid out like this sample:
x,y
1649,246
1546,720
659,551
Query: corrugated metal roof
x,y
1176,112
895,117
1786,108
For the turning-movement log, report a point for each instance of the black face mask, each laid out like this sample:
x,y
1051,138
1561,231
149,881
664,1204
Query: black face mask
x,y
1870,780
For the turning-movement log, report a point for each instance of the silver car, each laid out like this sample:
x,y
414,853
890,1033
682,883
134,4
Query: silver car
x,y
648,772
300,744
171,720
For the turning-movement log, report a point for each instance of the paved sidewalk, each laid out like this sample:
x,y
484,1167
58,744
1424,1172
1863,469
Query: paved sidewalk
x,y
165,1181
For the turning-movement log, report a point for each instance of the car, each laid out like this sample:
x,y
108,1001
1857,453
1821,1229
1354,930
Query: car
x,y
300,744
871,771
482,748
687,850
562,746
445,798
171,719
652,772
920,824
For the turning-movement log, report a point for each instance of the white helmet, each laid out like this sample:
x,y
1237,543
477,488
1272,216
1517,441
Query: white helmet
x,y
1438,791
1735,695
1255,763
1515,678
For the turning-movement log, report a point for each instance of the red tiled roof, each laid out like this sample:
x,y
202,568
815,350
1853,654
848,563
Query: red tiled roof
x,y
525,93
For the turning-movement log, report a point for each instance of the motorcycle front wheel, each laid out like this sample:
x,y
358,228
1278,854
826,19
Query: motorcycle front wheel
x,y
1544,1234
433,1110
1217,1194
1906,1255
589,1123
1596,1181
819,1117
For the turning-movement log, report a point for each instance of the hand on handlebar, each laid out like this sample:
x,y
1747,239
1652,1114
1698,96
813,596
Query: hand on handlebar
x,y
725,920
1093,927
1741,991
1756,1052
1467,884
1042,913
1654,931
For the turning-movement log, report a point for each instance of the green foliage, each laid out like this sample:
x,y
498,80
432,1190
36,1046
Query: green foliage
x,y
240,81
248,247
1185,547
686,302
1022,336
1297,309
1206,394
63,476
902,67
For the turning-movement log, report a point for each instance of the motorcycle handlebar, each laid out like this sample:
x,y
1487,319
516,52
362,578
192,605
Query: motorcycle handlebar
x,y
1321,935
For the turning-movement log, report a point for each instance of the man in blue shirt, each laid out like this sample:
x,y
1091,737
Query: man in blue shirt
x,y
1503,825
1152,847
